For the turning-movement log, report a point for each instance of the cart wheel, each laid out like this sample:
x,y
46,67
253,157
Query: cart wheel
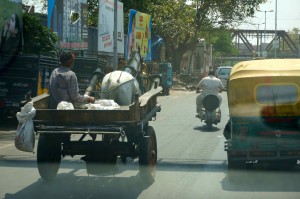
x,y
235,164
165,91
280,164
168,91
290,163
48,156
148,156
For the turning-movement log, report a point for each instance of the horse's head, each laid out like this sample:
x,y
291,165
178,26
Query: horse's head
x,y
134,62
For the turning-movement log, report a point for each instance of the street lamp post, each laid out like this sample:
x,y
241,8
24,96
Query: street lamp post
x,y
265,11
258,40
257,44
115,35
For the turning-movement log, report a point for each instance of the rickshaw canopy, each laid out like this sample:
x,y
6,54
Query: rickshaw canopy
x,y
269,87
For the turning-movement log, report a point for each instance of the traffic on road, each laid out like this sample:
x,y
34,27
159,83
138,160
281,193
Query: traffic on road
x,y
191,163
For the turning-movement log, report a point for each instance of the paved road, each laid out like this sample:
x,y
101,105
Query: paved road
x,y
191,164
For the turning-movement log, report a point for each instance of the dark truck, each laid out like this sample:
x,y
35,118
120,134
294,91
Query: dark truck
x,y
28,76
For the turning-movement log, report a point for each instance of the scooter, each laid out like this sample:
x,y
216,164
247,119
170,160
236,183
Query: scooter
x,y
211,110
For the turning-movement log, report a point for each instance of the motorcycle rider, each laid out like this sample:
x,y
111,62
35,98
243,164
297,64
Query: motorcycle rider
x,y
208,85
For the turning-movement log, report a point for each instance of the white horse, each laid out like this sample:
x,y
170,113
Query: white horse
x,y
122,86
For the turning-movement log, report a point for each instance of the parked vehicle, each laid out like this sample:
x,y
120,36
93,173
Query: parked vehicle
x,y
25,76
161,75
28,76
264,110
166,73
223,73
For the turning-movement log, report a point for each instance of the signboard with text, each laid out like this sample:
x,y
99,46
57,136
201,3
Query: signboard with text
x,y
11,30
106,27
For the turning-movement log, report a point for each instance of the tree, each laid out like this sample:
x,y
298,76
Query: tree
x,y
172,20
141,6
295,35
222,44
37,38
181,25
93,9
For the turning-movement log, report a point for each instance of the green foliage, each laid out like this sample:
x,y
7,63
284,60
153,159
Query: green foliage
x,y
295,35
181,26
74,17
173,21
93,10
37,38
141,6
223,44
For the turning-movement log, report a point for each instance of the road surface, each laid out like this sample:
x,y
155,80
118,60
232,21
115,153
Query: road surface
x,y
192,164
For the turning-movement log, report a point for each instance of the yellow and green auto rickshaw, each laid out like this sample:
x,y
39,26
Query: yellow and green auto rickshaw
x,y
264,110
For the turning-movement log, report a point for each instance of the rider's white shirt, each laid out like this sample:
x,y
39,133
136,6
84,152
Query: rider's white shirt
x,y
210,85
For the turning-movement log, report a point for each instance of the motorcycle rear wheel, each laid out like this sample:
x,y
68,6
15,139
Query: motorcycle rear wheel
x,y
209,125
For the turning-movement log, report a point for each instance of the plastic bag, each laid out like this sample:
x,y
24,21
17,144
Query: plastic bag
x,y
25,137
65,106
102,105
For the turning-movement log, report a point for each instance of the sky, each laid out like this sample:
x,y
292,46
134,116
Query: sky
x,y
288,16
37,6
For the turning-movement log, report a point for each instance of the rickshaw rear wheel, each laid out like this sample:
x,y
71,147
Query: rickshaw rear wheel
x,y
166,91
48,156
148,156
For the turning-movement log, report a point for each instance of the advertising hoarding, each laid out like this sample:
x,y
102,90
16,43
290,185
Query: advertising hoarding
x,y
106,26
139,34
11,30
70,34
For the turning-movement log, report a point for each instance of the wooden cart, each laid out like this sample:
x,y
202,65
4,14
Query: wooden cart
x,y
104,136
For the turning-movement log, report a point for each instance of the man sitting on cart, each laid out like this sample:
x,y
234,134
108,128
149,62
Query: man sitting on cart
x,y
63,82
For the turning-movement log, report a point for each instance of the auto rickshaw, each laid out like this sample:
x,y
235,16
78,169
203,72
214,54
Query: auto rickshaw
x,y
264,111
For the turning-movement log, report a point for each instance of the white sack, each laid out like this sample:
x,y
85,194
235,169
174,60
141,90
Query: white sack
x,y
25,137
102,105
65,106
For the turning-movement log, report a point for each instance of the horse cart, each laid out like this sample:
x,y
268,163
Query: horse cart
x,y
101,137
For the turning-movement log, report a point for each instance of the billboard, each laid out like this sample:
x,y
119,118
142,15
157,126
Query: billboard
x,y
139,34
106,26
11,30
71,34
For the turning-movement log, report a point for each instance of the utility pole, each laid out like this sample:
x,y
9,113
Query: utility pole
x,y
258,40
277,42
299,45
115,47
265,31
